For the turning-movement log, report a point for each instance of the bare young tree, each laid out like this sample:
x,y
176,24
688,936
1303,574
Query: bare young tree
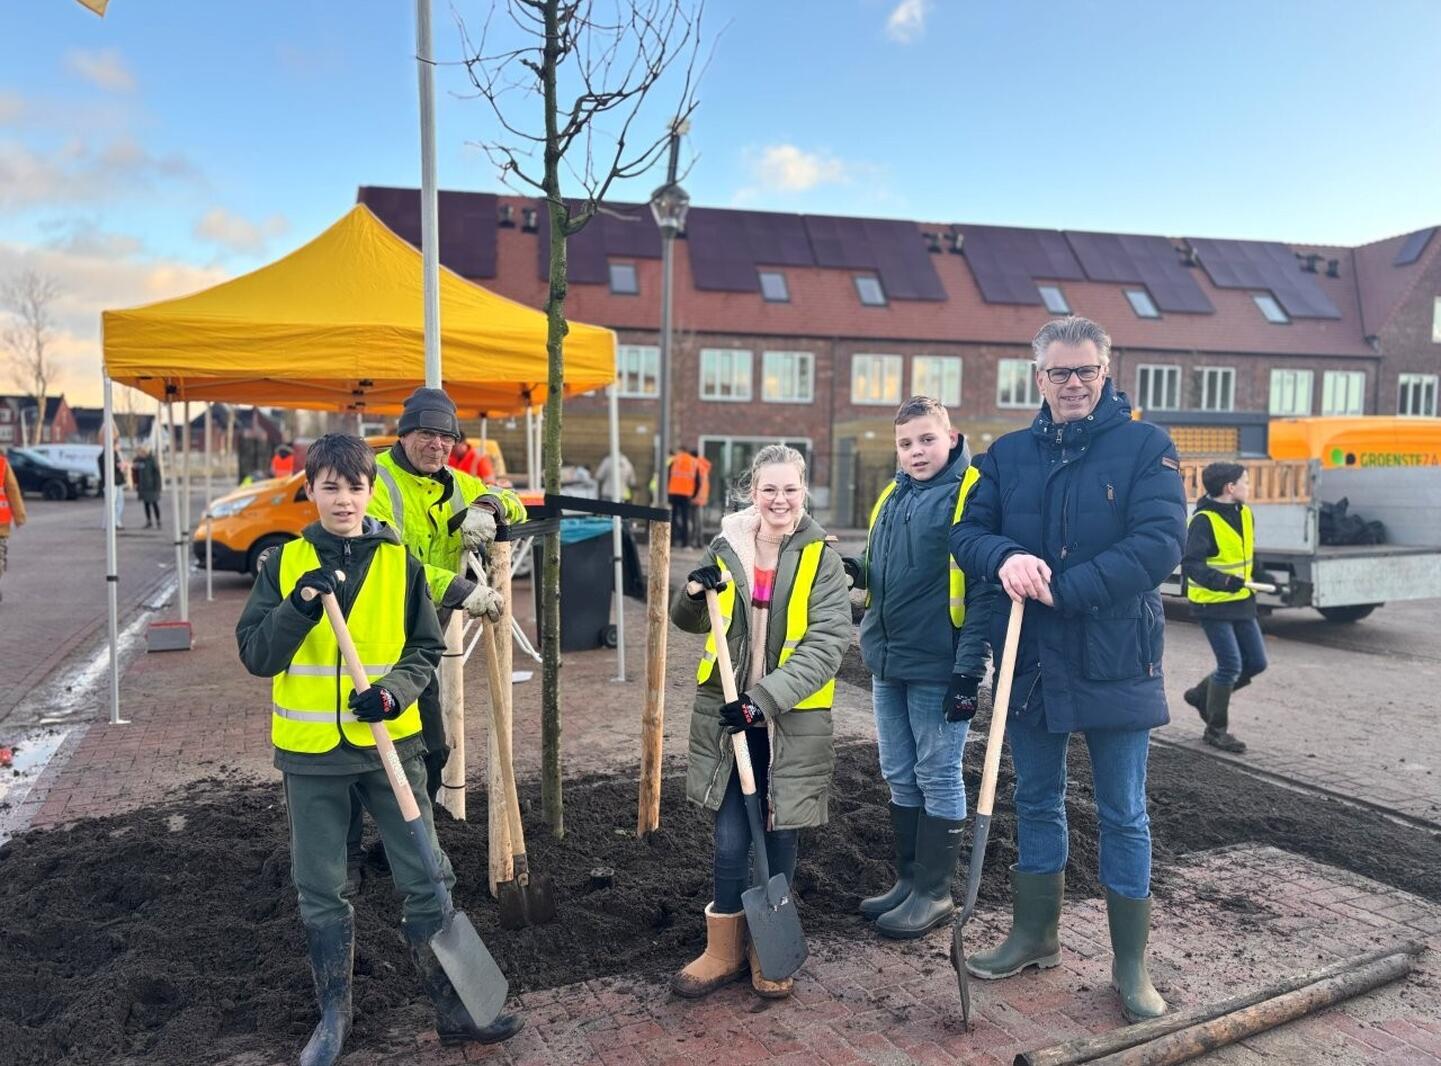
x,y
27,335
567,82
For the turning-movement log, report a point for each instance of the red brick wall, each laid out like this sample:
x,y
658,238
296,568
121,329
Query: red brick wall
x,y
1406,341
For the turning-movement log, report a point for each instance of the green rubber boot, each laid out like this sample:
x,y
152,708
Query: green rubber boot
x,y
1034,939
1196,697
1218,720
903,825
1130,924
332,955
938,842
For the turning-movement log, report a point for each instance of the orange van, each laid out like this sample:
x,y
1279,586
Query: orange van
x,y
1365,441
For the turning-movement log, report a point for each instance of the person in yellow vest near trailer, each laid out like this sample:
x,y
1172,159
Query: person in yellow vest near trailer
x,y
321,728
782,594
924,638
1219,559
12,509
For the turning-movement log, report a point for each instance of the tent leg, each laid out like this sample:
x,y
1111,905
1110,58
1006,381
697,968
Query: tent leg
x,y
185,503
615,537
209,524
112,575
175,507
530,481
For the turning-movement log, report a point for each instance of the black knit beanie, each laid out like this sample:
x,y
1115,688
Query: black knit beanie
x,y
429,409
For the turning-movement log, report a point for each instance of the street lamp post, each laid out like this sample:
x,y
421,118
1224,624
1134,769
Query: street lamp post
x,y
669,205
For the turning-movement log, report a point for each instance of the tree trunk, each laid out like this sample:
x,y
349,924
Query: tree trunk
x,y
552,803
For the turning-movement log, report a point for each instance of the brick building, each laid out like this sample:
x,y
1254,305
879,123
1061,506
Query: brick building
x,y
812,329
17,420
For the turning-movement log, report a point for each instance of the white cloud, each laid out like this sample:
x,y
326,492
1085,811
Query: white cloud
x,y
78,172
237,234
907,21
102,68
787,168
12,106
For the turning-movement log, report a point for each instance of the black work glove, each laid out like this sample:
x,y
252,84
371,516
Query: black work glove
x,y
707,577
322,582
1235,583
741,714
375,704
855,570
961,699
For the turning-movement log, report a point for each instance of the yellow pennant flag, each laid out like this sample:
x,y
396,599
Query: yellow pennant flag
x,y
97,6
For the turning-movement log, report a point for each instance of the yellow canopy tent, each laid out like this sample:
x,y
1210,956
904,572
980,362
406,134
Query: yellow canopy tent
x,y
338,324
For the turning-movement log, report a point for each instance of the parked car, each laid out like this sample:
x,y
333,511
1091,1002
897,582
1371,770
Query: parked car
x,y
37,475
84,459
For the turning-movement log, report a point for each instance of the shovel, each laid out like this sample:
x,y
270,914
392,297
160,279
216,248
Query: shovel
x,y
462,954
771,915
986,801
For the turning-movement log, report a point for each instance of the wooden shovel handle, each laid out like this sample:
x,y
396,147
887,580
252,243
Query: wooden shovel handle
x,y
728,688
999,707
500,721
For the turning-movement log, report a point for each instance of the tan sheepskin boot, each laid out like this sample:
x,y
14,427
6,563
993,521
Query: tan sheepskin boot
x,y
723,960
764,988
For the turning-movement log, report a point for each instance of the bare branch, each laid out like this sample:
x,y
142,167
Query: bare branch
x,y
28,298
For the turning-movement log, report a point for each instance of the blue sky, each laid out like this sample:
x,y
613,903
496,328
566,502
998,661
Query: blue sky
x,y
143,156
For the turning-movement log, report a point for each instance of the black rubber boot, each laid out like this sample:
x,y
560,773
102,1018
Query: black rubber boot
x,y
332,952
938,842
1034,939
1218,717
1196,697
453,1023
903,825
1129,921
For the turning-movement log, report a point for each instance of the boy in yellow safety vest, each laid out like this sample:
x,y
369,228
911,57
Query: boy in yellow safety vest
x,y
1219,560
321,727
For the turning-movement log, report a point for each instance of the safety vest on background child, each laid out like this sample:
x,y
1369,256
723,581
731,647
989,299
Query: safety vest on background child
x,y
1234,556
702,492
282,465
683,471
7,515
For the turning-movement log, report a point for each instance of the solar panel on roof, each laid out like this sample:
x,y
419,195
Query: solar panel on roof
x,y
905,266
1005,261
1144,260
1264,265
1414,246
466,221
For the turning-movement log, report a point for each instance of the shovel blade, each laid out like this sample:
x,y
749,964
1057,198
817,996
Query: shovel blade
x,y
963,979
775,928
521,905
471,969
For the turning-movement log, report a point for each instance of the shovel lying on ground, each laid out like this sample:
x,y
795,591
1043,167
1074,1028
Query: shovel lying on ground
x,y
771,916
986,801
462,954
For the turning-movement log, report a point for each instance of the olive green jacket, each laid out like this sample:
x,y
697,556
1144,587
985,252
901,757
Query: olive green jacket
x,y
802,745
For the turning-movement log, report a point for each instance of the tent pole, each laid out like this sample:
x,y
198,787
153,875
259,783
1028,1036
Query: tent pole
x,y
530,482
184,574
112,575
175,506
209,523
615,534
429,245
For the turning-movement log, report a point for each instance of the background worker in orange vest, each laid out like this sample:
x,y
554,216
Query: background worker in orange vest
x,y
471,460
282,463
699,500
12,508
682,479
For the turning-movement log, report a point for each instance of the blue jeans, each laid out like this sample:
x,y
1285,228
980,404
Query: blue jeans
x,y
920,750
1239,647
1118,768
732,869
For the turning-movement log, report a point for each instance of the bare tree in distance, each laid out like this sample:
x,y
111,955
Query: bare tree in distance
x,y
28,297
605,57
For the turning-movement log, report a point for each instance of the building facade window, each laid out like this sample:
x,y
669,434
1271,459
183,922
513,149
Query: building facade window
x,y
1291,392
876,379
1267,305
868,288
1158,387
773,287
1343,392
1016,384
788,377
1142,304
938,376
725,374
1215,388
1436,321
623,281
637,369
1416,394
1054,299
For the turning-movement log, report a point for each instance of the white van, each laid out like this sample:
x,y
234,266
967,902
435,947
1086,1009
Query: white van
x,y
84,459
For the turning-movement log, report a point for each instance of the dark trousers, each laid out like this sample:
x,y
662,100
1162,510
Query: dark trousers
x,y
679,520
733,833
432,729
1239,647
152,507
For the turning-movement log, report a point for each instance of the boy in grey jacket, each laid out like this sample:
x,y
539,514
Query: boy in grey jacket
x,y
924,640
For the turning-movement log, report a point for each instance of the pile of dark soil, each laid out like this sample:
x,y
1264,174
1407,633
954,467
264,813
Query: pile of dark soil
x,y
169,935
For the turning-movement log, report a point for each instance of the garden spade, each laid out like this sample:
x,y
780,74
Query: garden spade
x,y
771,916
986,801
462,954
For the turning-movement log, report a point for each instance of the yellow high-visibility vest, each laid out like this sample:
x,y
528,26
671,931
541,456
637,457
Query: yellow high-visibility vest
x,y
1234,555
957,576
310,700
797,621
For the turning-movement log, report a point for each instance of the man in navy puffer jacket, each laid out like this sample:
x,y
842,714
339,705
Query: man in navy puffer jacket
x,y
1082,515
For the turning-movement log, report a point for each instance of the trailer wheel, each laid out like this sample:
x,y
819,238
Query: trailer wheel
x,y
1351,613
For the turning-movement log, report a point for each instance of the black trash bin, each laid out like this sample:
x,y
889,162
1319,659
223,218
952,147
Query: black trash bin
x,y
586,577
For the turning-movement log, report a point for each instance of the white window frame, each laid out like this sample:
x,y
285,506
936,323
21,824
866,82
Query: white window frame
x,y
941,366
637,371
1010,372
1286,384
1416,395
1354,383
728,372
1209,379
1133,294
881,368
1436,321
1064,309
1169,373
1276,315
804,390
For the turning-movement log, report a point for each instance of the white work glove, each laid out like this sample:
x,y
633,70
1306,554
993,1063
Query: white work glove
x,y
484,600
477,531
